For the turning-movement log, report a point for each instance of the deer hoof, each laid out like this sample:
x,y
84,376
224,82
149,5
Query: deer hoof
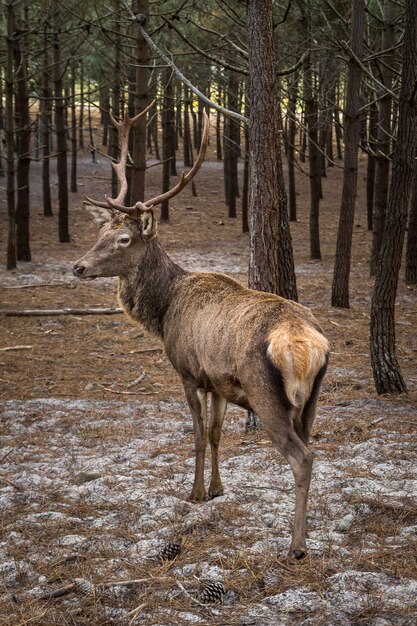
x,y
197,496
298,554
215,491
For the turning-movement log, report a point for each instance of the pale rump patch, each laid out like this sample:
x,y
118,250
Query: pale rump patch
x,y
299,353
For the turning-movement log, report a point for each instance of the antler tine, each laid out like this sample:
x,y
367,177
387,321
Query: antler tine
x,y
185,178
94,202
130,210
123,127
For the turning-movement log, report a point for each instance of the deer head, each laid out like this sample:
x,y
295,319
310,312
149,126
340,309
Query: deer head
x,y
125,231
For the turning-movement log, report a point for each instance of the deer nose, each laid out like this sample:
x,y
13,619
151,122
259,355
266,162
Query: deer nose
x,y
78,270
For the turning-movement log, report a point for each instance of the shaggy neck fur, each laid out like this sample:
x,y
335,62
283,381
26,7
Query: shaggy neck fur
x,y
145,294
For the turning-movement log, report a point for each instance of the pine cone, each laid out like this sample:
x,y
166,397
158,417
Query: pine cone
x,y
213,592
170,551
84,586
271,580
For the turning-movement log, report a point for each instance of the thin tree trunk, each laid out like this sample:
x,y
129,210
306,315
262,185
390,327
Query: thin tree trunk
x,y
384,136
73,184
340,287
81,112
1,120
385,366
231,147
292,130
61,142
245,192
22,115
113,148
311,122
141,102
166,146
10,162
218,130
411,250
186,125
171,126
46,114
370,170
105,114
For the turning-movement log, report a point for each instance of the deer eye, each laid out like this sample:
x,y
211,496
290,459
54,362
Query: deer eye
x,y
125,241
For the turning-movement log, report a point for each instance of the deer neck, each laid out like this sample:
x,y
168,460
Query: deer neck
x,y
145,294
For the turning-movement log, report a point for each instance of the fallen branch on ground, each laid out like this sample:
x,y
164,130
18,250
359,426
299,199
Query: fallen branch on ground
x,y
68,311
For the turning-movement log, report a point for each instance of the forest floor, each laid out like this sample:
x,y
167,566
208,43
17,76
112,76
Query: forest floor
x,y
96,466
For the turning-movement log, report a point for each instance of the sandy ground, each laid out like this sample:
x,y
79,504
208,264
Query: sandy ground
x,y
97,466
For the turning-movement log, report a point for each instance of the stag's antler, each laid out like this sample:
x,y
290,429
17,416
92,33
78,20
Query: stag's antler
x,y
123,128
120,169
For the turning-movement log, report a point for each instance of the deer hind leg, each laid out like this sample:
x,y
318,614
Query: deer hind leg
x,y
218,409
309,410
277,416
197,401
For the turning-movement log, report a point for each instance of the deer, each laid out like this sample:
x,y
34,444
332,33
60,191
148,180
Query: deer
x,y
250,348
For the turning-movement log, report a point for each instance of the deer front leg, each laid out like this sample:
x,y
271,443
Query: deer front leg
x,y
218,408
197,401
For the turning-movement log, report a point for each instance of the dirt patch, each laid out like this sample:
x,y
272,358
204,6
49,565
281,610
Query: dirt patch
x,y
97,459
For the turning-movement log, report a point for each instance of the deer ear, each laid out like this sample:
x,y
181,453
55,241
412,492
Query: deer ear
x,y
100,215
148,224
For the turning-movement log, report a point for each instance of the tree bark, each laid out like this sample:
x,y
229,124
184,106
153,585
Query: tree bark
x,y
61,141
270,238
141,102
411,250
22,116
311,122
166,144
113,148
292,131
46,115
73,184
231,146
9,127
340,287
384,136
370,170
81,112
187,132
385,366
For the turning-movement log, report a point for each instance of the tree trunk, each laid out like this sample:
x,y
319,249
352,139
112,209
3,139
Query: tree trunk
x,y
292,131
81,113
384,135
231,146
370,170
245,191
218,129
386,369
311,122
73,184
22,115
105,99
10,162
171,126
61,143
186,125
411,250
271,259
141,102
340,287
46,116
166,145
113,148
265,184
